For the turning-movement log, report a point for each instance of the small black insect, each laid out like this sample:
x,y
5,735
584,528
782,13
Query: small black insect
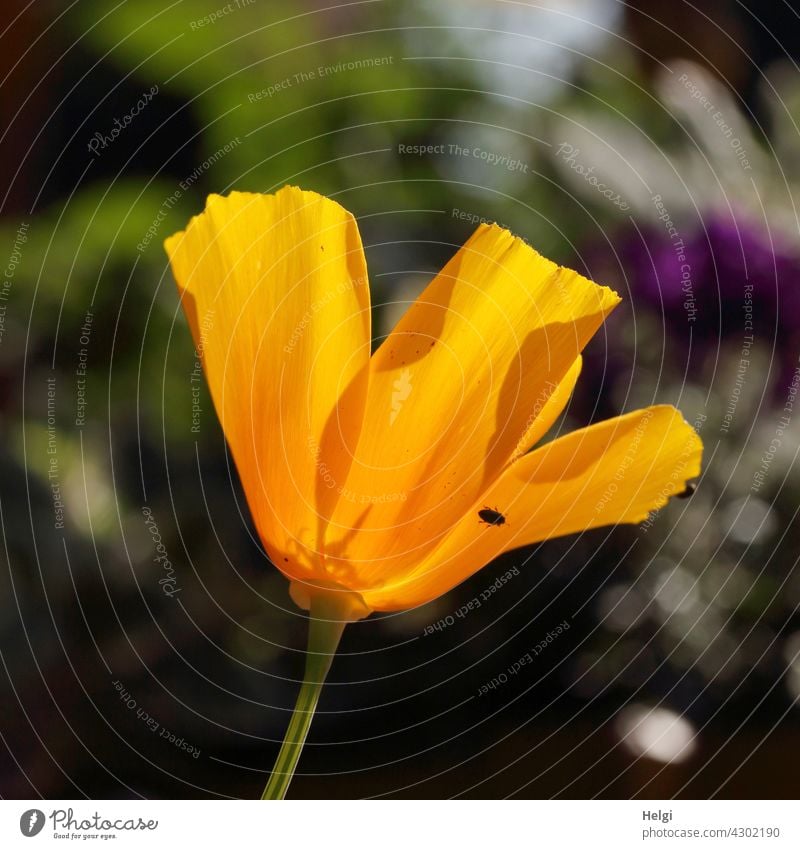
x,y
689,491
491,517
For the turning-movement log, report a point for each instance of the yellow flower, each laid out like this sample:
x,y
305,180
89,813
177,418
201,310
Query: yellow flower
x,y
367,475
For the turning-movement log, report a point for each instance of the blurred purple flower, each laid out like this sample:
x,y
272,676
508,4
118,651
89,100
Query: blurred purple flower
x,y
694,285
702,279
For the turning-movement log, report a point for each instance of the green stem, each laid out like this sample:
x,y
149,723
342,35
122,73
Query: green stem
x,y
323,640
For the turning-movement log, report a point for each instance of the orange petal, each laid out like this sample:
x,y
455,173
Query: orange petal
x,y
275,290
542,419
451,395
617,471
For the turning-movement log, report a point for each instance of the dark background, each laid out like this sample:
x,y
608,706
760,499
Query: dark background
x,y
679,673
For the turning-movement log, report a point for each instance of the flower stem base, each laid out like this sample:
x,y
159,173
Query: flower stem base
x,y
326,625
